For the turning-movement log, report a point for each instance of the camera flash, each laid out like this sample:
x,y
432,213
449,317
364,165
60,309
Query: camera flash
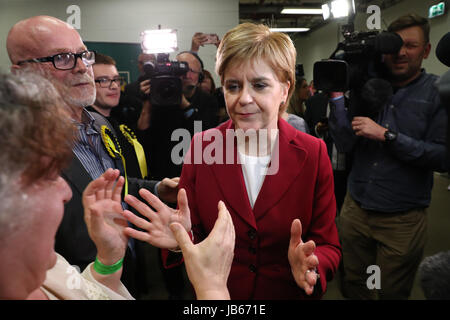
x,y
159,41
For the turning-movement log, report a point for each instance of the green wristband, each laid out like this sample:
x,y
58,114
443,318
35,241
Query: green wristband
x,y
104,269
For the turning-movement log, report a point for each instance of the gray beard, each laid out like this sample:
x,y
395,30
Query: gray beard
x,y
81,102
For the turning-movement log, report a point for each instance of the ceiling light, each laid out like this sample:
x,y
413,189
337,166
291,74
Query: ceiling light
x,y
289,29
301,11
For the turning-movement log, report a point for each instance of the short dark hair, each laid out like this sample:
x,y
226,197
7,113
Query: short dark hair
x,y
411,20
101,58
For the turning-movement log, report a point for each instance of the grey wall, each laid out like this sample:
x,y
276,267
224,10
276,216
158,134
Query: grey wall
x,y
321,43
123,20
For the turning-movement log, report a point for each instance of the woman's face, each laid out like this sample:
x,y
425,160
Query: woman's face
x,y
303,92
253,95
45,203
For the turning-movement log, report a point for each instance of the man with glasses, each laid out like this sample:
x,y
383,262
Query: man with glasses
x,y
108,83
383,221
53,48
108,91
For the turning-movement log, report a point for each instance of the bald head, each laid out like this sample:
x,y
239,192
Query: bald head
x,y
29,38
44,36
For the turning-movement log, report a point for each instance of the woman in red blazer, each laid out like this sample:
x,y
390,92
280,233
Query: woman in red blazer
x,y
277,187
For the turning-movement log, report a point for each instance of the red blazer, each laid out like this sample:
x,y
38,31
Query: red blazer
x,y
302,188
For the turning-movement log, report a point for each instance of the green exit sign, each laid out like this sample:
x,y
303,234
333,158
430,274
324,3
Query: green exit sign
x,y
436,10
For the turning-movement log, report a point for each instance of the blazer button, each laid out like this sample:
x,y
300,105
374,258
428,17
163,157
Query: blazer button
x,y
251,234
252,268
252,250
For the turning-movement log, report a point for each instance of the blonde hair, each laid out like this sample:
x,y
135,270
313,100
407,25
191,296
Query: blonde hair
x,y
249,41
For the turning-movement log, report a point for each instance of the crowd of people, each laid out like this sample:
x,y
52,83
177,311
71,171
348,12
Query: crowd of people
x,y
278,189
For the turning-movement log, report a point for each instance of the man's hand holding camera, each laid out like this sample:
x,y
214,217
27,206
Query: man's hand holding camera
x,y
144,118
367,128
363,126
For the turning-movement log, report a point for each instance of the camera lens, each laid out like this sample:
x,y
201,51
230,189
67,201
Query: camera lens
x,y
167,89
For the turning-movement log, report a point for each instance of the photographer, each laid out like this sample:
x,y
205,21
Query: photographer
x,y
158,122
383,218
130,103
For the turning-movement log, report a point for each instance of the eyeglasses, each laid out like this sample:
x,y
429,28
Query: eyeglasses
x,y
107,83
66,60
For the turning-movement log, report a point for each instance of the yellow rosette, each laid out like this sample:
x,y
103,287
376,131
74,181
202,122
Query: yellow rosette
x,y
138,149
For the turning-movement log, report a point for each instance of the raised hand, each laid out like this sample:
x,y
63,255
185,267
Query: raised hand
x,y
208,263
198,39
302,259
103,216
156,229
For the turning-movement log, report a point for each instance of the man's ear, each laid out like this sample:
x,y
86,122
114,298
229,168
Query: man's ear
x,y
427,50
14,68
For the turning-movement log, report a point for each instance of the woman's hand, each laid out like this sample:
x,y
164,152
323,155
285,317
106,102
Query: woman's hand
x,y
208,263
302,259
103,216
156,229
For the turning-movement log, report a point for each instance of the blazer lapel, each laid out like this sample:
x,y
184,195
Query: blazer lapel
x,y
291,159
231,182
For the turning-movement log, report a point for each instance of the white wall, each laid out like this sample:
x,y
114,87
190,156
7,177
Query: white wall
x,y
322,42
123,20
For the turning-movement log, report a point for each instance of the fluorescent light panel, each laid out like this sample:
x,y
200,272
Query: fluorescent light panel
x,y
289,29
301,11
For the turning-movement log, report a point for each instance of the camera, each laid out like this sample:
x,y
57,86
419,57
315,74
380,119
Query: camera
x,y
164,75
357,65
211,39
356,59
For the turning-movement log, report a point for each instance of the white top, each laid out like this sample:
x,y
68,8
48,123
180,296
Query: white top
x,y
254,170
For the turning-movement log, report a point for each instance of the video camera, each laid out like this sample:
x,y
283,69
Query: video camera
x,y
164,75
355,60
356,65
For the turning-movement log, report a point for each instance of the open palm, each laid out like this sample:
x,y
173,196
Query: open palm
x,y
156,229
103,215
